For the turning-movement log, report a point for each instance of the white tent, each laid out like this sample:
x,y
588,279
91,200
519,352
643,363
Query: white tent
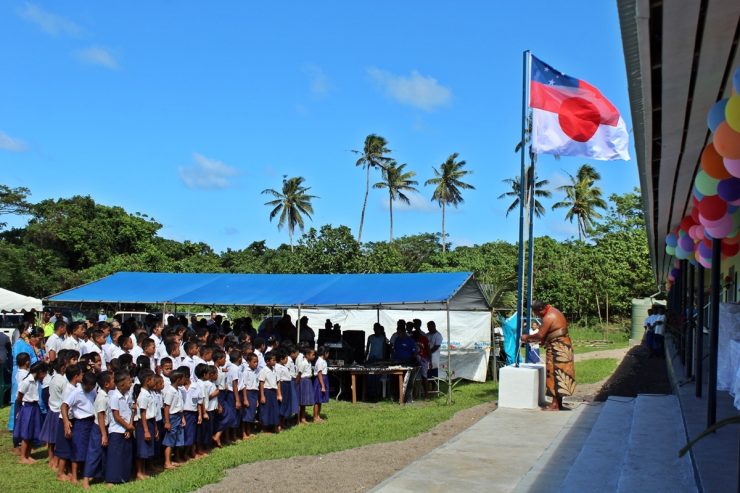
x,y
11,301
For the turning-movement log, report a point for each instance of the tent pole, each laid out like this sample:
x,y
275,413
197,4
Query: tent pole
x,y
377,314
714,331
164,311
449,357
298,327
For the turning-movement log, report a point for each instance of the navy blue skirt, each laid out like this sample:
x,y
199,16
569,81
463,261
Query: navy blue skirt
x,y
81,438
174,437
249,414
294,400
63,448
191,428
95,459
144,449
118,462
306,393
319,396
29,422
229,417
270,410
205,430
49,430
158,447
286,405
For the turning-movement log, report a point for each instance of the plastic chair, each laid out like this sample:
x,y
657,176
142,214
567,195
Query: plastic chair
x,y
4,387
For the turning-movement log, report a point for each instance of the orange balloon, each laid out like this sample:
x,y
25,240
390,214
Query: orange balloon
x,y
712,164
733,240
727,141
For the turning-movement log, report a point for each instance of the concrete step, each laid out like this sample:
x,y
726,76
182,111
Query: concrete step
x,y
652,462
597,467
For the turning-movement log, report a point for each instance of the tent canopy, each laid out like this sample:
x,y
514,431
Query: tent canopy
x,y
418,291
10,301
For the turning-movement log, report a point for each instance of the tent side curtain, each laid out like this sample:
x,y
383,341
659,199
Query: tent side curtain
x,y
12,302
401,291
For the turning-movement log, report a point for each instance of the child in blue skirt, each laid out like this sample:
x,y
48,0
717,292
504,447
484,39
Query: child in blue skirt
x,y
63,449
304,383
210,396
80,404
204,431
98,445
192,407
145,421
293,370
173,418
286,386
28,415
320,383
120,431
250,394
157,386
270,395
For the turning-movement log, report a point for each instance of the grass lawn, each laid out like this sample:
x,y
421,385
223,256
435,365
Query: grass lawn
x,y
348,426
579,348
595,370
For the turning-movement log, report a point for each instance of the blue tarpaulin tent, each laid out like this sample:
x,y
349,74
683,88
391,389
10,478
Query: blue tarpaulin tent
x,y
418,291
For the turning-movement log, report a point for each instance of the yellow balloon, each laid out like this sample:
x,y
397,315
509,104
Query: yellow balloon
x,y
732,112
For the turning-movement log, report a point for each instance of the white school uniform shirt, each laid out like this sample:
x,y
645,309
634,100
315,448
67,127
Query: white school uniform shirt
x,y
191,397
29,387
175,361
101,404
659,325
321,366
68,389
72,343
145,402
282,373
197,360
87,346
221,378
56,391
292,368
93,348
305,368
269,377
81,404
160,351
114,352
435,340
232,373
172,397
20,375
190,363
135,352
121,403
46,381
260,360
54,343
251,379
157,396
208,388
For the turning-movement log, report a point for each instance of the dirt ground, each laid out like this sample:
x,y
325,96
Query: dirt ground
x,y
354,470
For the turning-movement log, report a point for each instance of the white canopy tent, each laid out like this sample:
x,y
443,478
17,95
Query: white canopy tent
x,y
13,302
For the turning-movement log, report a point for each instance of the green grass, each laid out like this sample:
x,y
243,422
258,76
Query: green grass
x,y
348,426
580,348
595,370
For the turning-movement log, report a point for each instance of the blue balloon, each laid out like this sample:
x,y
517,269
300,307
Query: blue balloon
x,y
716,114
671,240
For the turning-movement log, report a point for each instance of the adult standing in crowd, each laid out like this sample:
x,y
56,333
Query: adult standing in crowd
x,y
435,343
553,333
46,323
306,333
29,342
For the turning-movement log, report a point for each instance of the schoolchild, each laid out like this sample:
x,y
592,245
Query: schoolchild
x,y
174,421
57,384
98,445
286,385
270,395
321,383
80,405
145,421
304,382
120,431
63,449
28,423
205,430
192,398
250,394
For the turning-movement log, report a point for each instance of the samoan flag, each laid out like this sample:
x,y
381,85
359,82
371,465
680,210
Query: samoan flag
x,y
572,118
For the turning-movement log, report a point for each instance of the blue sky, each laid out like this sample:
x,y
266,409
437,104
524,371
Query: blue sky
x,y
186,111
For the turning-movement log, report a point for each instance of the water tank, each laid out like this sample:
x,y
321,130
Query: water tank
x,y
640,308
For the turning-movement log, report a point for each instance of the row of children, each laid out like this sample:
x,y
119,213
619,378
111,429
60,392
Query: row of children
x,y
156,413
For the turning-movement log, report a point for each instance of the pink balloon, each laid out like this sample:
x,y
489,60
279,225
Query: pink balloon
x,y
706,263
732,166
735,202
714,224
722,229
699,232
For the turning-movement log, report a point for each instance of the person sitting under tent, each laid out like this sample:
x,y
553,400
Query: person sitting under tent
x,y
553,334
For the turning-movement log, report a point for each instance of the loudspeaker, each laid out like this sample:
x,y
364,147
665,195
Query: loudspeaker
x,y
354,344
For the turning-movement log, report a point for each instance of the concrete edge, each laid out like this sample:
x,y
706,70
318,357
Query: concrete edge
x,y
675,387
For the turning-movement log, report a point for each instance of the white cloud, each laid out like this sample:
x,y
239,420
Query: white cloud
x,y
418,203
417,90
50,23
557,180
318,80
207,174
12,144
97,55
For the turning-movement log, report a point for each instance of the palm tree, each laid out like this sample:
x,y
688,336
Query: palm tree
x,y
292,204
373,155
448,183
539,192
582,199
397,181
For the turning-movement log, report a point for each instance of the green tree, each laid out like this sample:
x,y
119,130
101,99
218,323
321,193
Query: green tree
x,y
292,203
372,155
448,187
13,201
582,199
329,250
540,192
397,181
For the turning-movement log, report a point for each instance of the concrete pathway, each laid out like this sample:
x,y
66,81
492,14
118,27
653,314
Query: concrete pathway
x,y
491,456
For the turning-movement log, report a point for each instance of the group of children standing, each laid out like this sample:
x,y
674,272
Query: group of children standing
x,y
114,410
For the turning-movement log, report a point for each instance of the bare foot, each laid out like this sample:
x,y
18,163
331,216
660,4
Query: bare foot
x,y
141,476
73,480
85,484
63,477
24,460
550,408
304,422
15,451
317,420
169,467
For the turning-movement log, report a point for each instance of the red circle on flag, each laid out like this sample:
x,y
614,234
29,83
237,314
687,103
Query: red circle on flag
x,y
579,118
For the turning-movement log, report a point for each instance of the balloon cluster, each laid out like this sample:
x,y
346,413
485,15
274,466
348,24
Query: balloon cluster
x,y
715,201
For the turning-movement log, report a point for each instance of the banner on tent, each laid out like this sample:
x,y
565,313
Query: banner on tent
x,y
470,332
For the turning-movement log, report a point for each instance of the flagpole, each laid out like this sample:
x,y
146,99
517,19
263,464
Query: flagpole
x,y
530,248
522,198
